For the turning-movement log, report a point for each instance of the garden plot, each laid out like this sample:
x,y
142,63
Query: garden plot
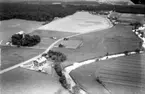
x,y
80,22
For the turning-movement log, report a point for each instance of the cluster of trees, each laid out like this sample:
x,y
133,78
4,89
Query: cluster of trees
x,y
58,57
25,40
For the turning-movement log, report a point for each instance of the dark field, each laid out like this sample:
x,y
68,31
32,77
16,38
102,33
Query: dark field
x,y
23,81
12,55
117,39
123,75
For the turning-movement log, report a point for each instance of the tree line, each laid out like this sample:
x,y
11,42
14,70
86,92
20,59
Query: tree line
x,y
57,58
47,12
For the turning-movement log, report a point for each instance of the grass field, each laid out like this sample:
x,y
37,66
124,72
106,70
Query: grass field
x,y
12,55
23,81
123,75
114,40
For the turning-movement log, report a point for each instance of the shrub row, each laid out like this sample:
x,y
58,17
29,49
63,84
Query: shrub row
x,y
63,82
25,40
62,78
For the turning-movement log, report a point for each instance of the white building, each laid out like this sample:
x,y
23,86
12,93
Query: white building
x,y
43,65
21,32
142,27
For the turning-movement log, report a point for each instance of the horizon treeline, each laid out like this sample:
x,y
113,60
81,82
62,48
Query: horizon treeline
x,y
47,12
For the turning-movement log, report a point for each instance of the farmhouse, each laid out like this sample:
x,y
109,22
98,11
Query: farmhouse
x,y
40,64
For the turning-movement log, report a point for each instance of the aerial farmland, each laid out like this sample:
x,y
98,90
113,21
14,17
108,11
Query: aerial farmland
x,y
72,47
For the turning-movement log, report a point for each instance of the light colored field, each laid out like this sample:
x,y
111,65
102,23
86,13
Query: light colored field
x,y
80,22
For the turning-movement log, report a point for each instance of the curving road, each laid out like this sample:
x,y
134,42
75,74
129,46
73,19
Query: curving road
x,y
34,58
129,82
50,47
